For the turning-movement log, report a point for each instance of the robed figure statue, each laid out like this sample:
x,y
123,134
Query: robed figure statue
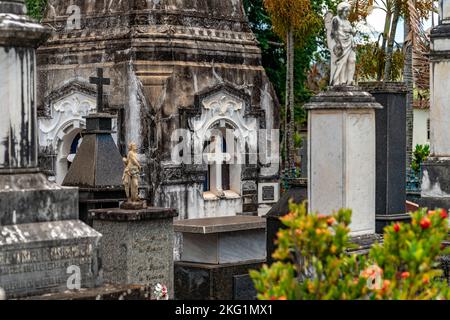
x,y
340,37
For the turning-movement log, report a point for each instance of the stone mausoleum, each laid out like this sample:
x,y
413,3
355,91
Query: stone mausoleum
x,y
172,64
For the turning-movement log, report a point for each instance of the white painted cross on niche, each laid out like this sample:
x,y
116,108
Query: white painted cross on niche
x,y
216,158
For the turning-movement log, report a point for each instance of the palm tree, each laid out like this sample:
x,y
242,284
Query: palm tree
x,y
293,21
416,72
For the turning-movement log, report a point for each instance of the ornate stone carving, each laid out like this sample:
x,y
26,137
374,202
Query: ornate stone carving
x,y
76,104
222,104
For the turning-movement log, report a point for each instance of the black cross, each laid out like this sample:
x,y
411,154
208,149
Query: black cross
x,y
100,82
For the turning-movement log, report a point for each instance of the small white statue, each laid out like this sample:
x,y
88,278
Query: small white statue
x,y
340,37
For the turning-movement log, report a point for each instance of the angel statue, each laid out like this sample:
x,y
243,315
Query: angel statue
x,y
340,37
131,177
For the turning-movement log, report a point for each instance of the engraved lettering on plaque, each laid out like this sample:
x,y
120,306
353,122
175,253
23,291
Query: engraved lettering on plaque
x,y
268,193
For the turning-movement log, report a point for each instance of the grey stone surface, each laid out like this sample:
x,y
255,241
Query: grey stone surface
x,y
106,292
34,257
243,288
220,224
137,251
28,198
116,214
435,184
343,97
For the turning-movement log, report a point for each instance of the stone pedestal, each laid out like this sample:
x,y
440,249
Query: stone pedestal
x,y
42,244
436,171
217,256
35,257
106,293
137,246
342,146
391,151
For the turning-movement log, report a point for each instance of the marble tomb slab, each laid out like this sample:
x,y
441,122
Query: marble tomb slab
x,y
223,240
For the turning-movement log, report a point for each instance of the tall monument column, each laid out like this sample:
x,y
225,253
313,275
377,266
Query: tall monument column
x,y
342,136
18,39
436,171
42,242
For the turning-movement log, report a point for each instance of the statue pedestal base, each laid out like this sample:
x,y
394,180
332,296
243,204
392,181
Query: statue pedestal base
x,y
137,246
341,155
138,205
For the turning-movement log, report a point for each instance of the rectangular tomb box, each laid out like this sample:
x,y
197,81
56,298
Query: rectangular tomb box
x,y
41,258
223,240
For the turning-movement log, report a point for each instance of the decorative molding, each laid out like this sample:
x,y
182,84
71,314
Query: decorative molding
x,y
74,86
222,104
76,104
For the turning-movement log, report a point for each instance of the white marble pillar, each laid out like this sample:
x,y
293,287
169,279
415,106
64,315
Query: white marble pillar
x,y
19,37
18,145
436,170
444,11
341,155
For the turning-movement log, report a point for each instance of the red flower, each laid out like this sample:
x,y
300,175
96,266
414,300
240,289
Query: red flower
x,y
322,216
444,214
396,227
405,275
425,223
330,221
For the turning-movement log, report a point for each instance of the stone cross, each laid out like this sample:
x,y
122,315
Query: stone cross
x,y
100,82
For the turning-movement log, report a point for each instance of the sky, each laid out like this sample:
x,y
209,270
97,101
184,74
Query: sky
x,y
375,23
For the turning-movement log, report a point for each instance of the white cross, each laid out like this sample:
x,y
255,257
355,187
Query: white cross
x,y
217,157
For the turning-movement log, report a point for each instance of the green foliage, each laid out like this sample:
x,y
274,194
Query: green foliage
x,y
36,8
408,257
371,60
313,262
421,153
274,53
273,50
298,140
